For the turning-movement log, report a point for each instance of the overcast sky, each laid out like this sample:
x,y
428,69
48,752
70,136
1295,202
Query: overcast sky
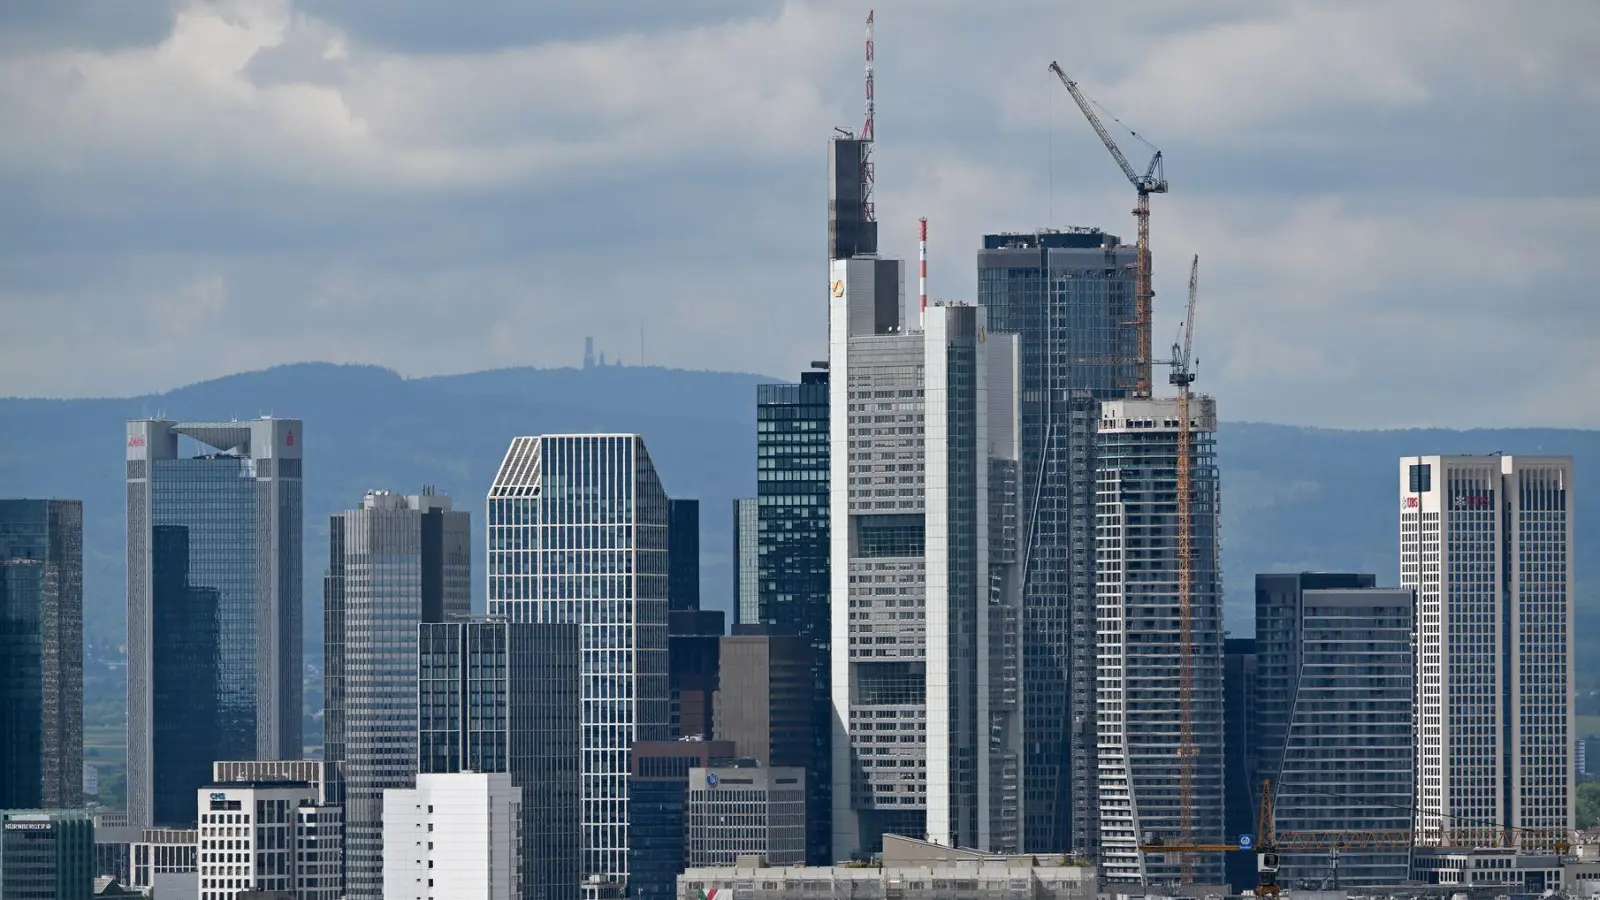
x,y
1395,204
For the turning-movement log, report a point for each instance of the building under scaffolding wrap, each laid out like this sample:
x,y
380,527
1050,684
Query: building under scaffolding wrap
x,y
1140,646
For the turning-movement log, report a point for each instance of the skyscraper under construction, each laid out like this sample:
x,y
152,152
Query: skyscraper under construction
x,y
1145,635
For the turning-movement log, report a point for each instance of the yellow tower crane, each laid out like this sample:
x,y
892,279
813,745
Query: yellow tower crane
x,y
1153,181
1182,376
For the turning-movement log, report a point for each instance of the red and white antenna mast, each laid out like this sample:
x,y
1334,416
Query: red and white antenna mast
x,y
922,275
868,213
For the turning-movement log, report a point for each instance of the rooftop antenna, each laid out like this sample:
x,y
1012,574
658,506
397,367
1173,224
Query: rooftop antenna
x,y
922,274
868,212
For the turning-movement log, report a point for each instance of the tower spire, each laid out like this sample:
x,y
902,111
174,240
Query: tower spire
x,y
922,274
868,212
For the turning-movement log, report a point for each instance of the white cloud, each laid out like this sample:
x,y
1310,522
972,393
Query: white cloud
x,y
254,86
1393,205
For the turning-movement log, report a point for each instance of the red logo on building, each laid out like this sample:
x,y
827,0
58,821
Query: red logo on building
x,y
289,439
136,441
1411,503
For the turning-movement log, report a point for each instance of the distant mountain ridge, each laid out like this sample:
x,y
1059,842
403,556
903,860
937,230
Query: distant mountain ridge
x,y
1293,498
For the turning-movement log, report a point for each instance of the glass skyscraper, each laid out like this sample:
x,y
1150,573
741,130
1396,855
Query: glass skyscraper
x,y
683,554
394,563
578,535
41,654
1238,716
746,560
1068,296
1334,719
214,605
782,571
498,696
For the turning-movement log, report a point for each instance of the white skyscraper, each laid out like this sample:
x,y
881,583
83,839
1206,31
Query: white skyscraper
x,y
578,535
923,565
453,837
1486,543
1141,646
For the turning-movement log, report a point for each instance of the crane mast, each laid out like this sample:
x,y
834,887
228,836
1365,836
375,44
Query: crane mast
x,y
1153,181
1182,376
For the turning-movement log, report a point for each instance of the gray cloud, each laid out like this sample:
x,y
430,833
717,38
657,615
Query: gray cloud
x,y
1394,205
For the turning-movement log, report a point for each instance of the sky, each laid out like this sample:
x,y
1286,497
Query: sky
x,y
1396,205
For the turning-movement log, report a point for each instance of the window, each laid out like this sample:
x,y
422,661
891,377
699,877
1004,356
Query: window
x,y
1421,478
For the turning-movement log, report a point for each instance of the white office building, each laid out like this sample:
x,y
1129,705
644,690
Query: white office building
x,y
578,535
269,836
454,836
1486,542
923,500
1142,695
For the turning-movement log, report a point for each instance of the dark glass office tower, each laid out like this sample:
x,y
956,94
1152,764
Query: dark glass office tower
x,y
851,230
214,605
186,680
47,854
683,554
791,556
1068,295
658,806
693,642
1278,602
498,696
1238,740
1335,718
394,563
41,654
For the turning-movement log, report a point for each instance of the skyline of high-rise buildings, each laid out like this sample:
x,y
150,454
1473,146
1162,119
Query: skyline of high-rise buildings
x,y
215,550
956,602
395,562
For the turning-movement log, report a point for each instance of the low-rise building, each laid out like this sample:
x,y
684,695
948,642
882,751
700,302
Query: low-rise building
x,y
269,836
1506,870
907,870
162,851
46,854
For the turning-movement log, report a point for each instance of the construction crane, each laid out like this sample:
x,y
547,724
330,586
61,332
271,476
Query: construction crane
x,y
1269,844
1182,376
1153,181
